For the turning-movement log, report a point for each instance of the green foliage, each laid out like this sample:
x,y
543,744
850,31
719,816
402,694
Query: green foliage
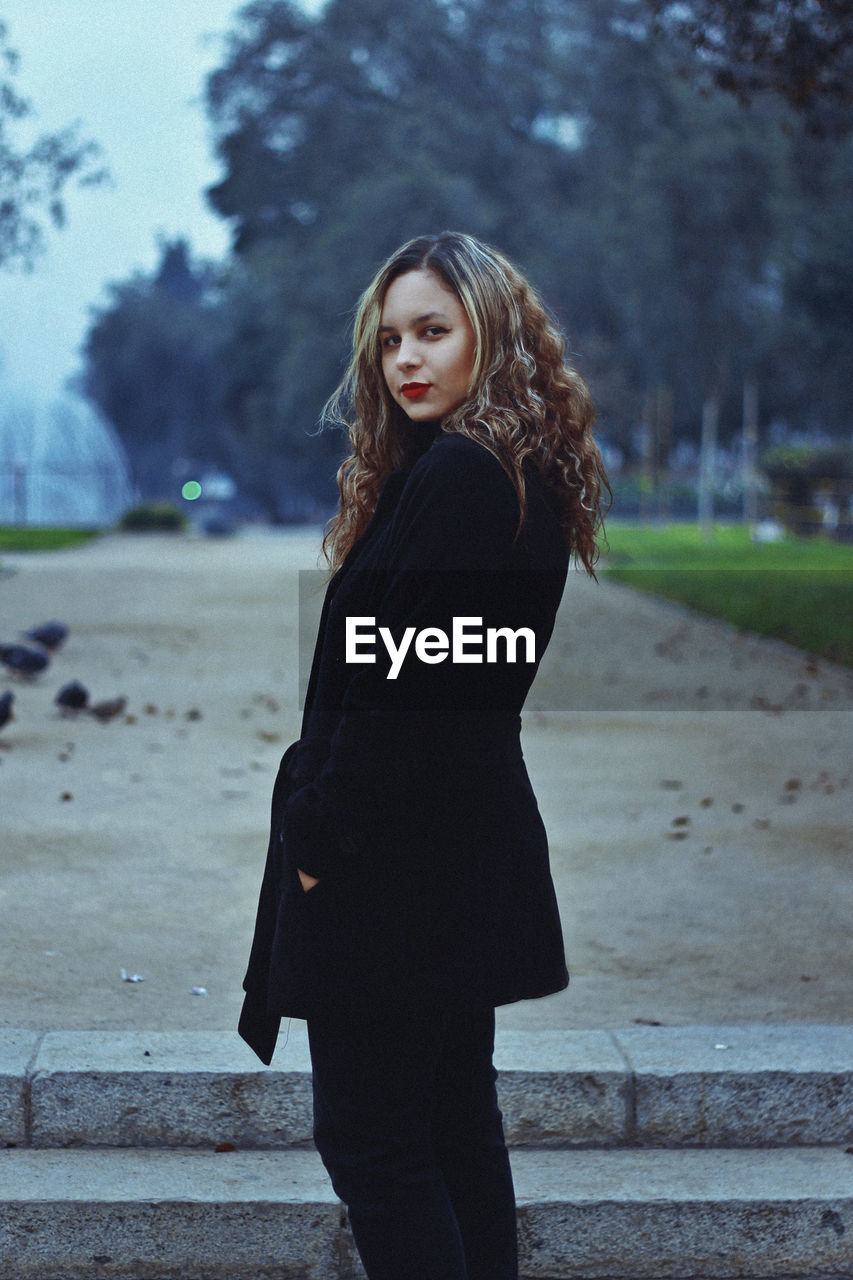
x,y
809,462
798,472
799,590
153,517
42,538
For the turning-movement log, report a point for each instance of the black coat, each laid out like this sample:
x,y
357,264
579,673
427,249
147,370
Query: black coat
x,y
409,798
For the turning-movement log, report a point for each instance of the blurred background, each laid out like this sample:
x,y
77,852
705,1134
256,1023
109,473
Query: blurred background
x,y
194,193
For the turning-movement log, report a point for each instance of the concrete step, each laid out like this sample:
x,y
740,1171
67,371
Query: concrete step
x,y
644,1086
590,1215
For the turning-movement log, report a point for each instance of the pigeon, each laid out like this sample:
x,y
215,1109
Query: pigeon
x,y
6,708
25,662
50,635
109,708
73,696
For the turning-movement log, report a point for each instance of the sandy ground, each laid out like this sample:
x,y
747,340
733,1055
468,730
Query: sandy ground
x,y
695,783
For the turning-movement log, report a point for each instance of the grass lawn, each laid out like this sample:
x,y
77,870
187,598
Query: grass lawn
x,y
799,590
42,539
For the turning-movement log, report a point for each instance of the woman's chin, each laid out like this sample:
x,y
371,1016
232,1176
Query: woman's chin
x,y
418,411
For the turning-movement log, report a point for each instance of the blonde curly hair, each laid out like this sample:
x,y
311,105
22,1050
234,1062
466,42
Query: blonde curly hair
x,y
524,402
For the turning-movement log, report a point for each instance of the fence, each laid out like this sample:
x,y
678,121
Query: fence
x,y
62,494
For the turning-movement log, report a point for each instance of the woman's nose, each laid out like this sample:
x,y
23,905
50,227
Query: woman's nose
x,y
407,355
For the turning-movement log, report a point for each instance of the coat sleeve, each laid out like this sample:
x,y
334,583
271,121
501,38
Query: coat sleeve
x,y
258,1026
452,536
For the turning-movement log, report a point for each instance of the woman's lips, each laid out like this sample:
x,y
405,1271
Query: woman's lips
x,y
411,390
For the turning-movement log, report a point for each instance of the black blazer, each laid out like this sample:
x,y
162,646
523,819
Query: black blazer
x,y
409,798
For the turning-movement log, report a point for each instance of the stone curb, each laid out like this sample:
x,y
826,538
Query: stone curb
x,y
644,1086
590,1215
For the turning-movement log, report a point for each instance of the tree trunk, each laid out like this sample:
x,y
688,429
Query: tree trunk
x,y
707,458
749,450
664,443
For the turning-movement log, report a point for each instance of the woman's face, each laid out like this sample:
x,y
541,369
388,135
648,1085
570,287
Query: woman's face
x,y
427,346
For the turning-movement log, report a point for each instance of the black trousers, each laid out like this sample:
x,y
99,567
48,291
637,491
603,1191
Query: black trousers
x,y
407,1124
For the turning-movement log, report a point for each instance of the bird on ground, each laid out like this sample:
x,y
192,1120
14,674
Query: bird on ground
x,y
23,661
73,696
50,635
6,713
108,709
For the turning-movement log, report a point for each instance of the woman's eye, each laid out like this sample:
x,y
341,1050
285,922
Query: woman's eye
x,y
435,331
390,341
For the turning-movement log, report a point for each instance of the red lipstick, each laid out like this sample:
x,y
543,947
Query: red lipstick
x,y
411,390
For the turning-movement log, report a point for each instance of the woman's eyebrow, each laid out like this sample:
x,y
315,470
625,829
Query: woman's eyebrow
x,y
430,315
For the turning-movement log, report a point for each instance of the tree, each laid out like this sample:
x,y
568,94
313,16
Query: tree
x,y
800,53
659,223
680,218
154,369
427,116
799,49
341,137
815,371
34,177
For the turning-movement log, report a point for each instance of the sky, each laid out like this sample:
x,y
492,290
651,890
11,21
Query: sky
x,y
132,71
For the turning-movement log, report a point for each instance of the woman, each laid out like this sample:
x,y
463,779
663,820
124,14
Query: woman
x,y
407,890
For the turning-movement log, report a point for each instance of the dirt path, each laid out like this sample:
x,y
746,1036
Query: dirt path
x,y
696,785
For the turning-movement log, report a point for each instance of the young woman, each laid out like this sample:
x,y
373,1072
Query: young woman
x,y
407,890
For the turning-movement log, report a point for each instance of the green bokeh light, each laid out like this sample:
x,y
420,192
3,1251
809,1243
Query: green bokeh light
x,y
191,490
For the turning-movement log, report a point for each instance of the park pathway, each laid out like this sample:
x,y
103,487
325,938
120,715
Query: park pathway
x,y
695,783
